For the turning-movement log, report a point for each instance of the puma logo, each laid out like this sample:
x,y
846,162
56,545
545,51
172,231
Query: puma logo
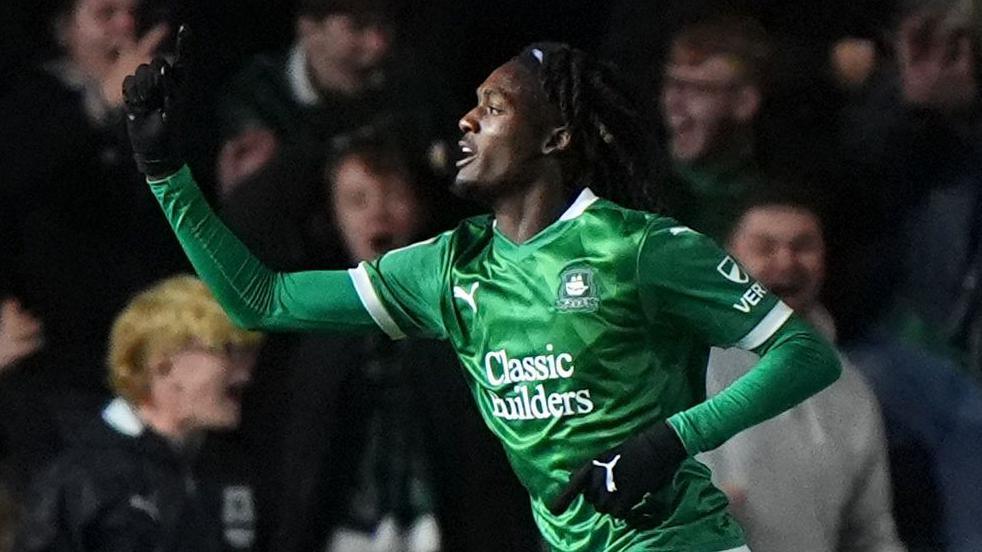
x,y
459,293
609,466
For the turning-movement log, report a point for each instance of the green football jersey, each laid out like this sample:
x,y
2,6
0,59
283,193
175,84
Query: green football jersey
x,y
572,342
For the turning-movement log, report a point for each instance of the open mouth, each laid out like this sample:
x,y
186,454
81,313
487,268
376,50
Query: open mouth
x,y
467,154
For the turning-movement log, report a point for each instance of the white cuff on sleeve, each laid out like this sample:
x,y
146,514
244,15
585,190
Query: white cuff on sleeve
x,y
370,299
766,327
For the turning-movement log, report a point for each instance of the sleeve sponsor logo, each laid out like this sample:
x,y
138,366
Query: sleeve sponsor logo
x,y
753,295
750,298
732,271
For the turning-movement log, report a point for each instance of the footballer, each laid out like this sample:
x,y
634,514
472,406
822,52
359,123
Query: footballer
x,y
583,327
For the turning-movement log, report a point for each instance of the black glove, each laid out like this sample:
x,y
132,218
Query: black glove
x,y
153,97
618,479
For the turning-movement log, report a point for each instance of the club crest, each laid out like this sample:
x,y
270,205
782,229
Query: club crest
x,y
577,290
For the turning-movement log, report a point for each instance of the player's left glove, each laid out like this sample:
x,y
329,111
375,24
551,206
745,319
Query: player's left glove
x,y
618,479
154,96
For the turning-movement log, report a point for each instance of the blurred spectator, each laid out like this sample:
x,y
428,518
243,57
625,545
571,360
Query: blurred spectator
x,y
28,436
21,335
796,123
343,72
378,444
912,138
133,481
802,31
374,204
81,229
711,95
815,478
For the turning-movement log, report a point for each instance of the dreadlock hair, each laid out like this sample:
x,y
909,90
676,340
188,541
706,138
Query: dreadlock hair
x,y
610,143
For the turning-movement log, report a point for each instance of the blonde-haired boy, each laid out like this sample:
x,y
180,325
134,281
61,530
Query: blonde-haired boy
x,y
176,357
178,367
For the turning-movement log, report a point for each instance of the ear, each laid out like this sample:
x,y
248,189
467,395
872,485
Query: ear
x,y
747,104
558,140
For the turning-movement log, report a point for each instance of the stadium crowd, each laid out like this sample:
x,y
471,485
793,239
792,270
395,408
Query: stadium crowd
x,y
833,148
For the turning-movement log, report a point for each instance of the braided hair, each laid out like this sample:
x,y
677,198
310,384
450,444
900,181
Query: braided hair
x,y
610,143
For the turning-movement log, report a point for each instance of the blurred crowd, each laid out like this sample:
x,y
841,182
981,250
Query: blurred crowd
x,y
834,148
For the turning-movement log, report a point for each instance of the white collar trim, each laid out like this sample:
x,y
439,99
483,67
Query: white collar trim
x,y
584,200
121,416
298,77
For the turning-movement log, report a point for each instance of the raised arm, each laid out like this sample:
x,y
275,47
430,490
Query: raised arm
x,y
253,295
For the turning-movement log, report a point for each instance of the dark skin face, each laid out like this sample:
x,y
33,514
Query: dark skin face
x,y
511,147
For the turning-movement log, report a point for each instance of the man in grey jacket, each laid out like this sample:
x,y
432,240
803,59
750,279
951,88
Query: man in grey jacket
x,y
816,477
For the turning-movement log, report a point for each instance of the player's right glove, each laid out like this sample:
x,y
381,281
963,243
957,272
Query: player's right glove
x,y
153,96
